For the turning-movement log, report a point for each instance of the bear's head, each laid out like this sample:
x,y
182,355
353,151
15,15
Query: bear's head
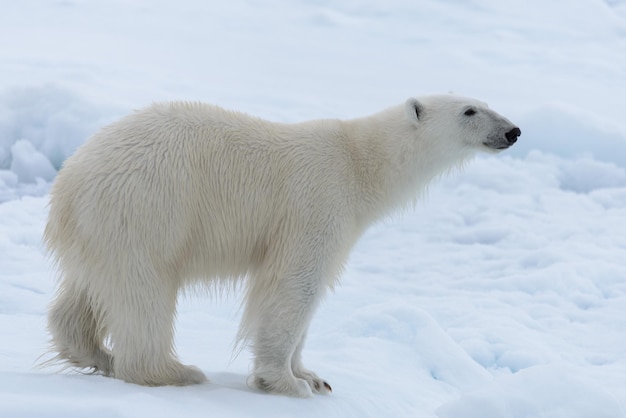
x,y
458,120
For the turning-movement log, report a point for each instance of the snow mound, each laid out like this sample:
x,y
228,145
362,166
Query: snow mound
x,y
579,175
570,132
29,164
437,352
538,392
40,127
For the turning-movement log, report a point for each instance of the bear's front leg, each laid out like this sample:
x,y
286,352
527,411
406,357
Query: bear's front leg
x,y
318,384
282,317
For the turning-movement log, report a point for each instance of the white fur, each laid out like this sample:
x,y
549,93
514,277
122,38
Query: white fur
x,y
180,193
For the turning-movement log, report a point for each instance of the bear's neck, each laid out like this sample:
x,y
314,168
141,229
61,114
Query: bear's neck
x,y
392,166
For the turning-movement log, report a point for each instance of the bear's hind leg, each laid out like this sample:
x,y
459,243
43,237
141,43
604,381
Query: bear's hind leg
x,y
76,335
140,313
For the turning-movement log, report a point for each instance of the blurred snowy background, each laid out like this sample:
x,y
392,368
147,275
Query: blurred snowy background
x,y
502,295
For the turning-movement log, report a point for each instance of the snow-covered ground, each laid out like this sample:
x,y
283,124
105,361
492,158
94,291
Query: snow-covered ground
x,y
503,294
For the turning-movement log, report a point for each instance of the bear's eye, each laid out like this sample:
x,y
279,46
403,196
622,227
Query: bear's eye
x,y
470,112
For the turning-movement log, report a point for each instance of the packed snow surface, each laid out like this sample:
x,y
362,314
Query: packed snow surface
x,y
501,294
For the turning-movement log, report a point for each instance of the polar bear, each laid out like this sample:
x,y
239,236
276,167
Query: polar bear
x,y
182,193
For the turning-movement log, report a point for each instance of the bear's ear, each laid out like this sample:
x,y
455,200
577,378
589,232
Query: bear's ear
x,y
414,110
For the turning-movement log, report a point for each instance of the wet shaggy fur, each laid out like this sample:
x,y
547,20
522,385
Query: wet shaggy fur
x,y
183,193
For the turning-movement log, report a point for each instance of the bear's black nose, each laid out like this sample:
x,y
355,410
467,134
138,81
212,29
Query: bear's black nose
x,y
512,135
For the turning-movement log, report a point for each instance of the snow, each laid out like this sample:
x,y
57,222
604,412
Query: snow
x,y
29,164
502,294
